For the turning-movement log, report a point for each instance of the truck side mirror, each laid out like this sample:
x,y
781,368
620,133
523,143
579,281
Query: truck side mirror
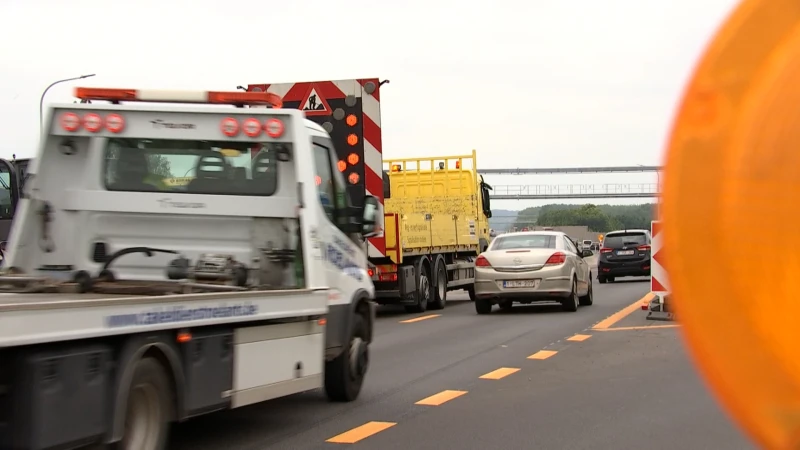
x,y
369,218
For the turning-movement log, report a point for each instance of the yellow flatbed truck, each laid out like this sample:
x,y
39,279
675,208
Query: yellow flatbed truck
x,y
436,222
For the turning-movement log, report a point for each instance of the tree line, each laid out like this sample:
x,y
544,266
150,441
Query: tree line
x,y
599,218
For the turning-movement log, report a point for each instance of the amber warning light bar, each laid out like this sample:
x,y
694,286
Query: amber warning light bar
x,y
165,96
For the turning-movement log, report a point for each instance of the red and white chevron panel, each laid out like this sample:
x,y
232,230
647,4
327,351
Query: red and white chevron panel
x,y
659,282
371,124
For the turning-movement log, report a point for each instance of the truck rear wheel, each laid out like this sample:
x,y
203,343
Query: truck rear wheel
x,y
147,416
439,287
423,293
344,376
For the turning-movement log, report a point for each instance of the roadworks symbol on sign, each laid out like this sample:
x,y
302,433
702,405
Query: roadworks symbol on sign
x,y
315,104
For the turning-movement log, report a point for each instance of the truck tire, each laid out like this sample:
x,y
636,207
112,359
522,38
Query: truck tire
x,y
423,292
148,410
344,375
439,285
471,292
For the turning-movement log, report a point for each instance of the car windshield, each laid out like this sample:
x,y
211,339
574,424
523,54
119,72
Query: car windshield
x,y
624,240
524,241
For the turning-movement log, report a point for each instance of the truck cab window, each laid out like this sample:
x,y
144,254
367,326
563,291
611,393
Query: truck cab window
x,y
331,185
6,203
324,181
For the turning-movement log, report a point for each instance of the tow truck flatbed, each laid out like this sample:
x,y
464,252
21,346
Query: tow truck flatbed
x,y
58,317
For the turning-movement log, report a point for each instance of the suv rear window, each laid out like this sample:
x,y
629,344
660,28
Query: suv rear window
x,y
524,241
619,240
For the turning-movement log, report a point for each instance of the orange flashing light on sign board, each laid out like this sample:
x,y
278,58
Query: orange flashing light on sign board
x,y
353,178
351,120
318,180
738,116
341,165
352,139
352,158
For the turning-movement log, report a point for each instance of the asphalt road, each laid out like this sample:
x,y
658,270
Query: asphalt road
x,y
598,380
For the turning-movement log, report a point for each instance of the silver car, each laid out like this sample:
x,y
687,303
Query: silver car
x,y
532,266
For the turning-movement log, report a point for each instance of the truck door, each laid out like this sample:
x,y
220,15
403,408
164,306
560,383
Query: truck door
x,y
343,267
9,196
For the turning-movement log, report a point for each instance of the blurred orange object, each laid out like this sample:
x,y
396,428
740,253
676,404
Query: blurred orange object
x,y
731,210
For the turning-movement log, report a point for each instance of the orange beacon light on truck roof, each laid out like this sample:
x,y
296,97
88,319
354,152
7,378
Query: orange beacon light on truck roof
x,y
731,171
170,96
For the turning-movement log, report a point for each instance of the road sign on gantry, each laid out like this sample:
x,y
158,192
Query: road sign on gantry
x,y
731,178
659,283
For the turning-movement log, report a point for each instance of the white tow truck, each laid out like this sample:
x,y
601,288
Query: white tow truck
x,y
130,301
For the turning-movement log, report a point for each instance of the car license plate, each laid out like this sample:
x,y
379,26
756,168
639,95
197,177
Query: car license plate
x,y
521,284
625,252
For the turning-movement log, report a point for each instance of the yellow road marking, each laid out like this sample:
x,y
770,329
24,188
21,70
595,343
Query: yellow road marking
x,y
623,313
440,398
361,433
542,354
644,327
421,318
499,373
579,337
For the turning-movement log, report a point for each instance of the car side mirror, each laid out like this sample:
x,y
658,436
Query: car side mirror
x,y
370,226
586,253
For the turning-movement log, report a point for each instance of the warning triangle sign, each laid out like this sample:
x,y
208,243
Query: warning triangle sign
x,y
314,104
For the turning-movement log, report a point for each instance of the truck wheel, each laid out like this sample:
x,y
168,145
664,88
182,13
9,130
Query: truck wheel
x,y
483,306
423,294
148,408
439,294
344,376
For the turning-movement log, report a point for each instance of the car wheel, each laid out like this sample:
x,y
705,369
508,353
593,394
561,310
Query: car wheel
x,y
611,279
602,280
588,299
483,306
571,303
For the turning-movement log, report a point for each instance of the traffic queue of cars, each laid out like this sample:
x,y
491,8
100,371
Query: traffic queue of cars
x,y
547,266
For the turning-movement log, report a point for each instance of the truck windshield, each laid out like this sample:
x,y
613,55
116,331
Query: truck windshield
x,y
196,167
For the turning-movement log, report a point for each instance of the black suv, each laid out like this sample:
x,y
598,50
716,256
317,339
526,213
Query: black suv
x,y
624,254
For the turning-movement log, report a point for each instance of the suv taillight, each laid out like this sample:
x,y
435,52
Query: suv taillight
x,y
605,250
643,248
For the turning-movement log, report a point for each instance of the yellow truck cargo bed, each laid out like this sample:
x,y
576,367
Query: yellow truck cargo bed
x,y
435,206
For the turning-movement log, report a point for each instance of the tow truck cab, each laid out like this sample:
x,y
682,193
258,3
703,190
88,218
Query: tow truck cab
x,y
265,200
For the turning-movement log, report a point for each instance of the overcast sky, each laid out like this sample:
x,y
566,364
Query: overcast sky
x,y
528,84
